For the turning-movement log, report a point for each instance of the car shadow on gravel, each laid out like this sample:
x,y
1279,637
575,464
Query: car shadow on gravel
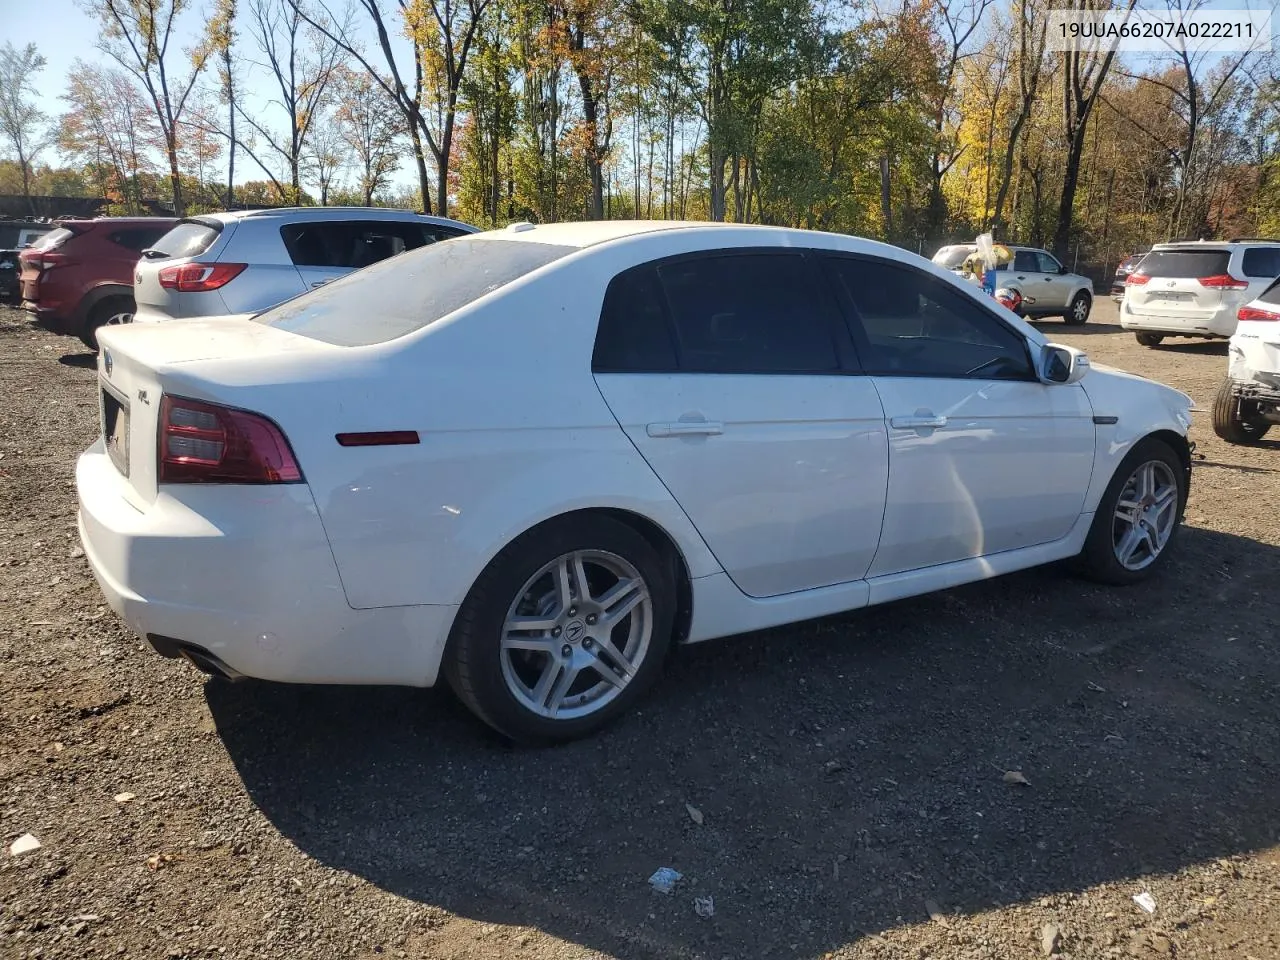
x,y
841,772
85,361
1053,326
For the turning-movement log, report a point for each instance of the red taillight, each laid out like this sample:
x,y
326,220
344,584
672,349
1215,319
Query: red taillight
x,y
1137,279
1223,281
44,259
199,277
206,443
1253,313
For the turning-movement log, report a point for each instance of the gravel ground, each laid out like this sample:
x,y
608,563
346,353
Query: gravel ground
x,y
847,776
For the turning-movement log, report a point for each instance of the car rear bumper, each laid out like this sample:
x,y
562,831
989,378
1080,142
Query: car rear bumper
x,y
1220,324
245,575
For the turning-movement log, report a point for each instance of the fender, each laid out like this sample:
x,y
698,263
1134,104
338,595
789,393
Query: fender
x,y
93,297
1126,409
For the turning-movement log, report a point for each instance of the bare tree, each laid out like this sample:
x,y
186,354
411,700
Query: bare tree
x,y
325,158
222,39
21,122
301,60
442,32
371,127
139,35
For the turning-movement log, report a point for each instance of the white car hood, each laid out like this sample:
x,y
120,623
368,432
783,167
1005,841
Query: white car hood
x,y
1111,389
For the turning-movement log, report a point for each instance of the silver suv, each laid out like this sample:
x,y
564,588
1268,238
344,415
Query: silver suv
x,y
245,262
1194,288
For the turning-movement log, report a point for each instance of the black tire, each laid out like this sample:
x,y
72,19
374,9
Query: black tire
x,y
474,665
1098,560
102,314
1078,310
1227,422
1149,339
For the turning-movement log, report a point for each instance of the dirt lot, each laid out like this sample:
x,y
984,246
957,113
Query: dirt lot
x,y
848,774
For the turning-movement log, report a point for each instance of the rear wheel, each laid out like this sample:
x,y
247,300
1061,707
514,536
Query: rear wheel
x,y
1231,420
563,631
1149,339
1136,523
110,312
1078,312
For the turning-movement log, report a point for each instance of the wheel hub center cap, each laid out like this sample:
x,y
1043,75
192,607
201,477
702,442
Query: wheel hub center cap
x,y
574,630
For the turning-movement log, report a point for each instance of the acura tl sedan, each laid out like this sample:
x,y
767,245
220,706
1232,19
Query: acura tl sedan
x,y
533,460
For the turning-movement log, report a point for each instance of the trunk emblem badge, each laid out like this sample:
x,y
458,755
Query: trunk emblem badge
x,y
106,361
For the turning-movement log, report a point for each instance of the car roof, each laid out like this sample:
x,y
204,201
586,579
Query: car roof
x,y
296,214
113,221
1213,244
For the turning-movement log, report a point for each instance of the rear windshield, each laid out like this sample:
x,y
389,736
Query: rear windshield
x,y
188,239
1185,263
952,256
53,238
405,293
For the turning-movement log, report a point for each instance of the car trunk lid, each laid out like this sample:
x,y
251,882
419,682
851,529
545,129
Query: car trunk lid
x,y
199,237
139,364
1184,284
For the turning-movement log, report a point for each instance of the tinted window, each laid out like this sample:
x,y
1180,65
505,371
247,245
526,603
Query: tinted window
x,y
634,334
354,244
1047,263
1185,263
749,313
1262,262
400,295
913,324
138,238
953,256
188,239
1272,294
1026,261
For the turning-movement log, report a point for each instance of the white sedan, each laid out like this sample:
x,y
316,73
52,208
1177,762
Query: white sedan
x,y
534,459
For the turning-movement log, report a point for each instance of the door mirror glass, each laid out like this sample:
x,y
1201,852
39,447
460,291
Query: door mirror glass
x,y
1063,364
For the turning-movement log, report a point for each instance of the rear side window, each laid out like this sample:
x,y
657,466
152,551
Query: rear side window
x,y
634,334
911,324
1186,264
188,239
1262,262
1026,261
1271,295
354,244
398,296
749,313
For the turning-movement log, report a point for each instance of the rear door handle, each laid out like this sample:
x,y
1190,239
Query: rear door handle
x,y
320,283
686,428
918,423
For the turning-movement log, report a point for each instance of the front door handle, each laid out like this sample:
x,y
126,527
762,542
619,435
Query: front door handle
x,y
918,423
320,283
686,428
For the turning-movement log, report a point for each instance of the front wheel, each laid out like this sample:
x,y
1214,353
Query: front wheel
x,y
1230,419
110,312
1149,339
564,630
1078,312
1136,523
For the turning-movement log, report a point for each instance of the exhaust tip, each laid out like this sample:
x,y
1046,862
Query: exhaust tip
x,y
197,656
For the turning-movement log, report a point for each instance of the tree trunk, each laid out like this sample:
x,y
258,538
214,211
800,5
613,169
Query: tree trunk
x,y
1066,205
420,160
175,178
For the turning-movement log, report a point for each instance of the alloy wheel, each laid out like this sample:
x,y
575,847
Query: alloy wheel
x,y
1145,515
576,634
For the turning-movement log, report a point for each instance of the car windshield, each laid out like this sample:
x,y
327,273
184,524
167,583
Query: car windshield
x,y
952,256
410,291
1185,263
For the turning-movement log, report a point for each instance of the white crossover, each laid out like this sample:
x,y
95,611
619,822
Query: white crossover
x,y
534,459
1248,402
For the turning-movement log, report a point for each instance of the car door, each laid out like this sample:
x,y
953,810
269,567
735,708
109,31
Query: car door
x,y
735,379
983,457
1056,286
1028,278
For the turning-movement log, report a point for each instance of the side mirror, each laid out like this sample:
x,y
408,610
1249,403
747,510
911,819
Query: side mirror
x,y
1060,364
1062,269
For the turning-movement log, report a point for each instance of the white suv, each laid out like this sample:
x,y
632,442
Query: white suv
x,y
1194,288
1248,402
247,261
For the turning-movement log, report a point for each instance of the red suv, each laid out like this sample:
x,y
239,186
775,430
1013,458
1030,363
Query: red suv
x,y
80,276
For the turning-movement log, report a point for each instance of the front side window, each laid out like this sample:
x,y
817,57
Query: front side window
x,y
912,324
1047,263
